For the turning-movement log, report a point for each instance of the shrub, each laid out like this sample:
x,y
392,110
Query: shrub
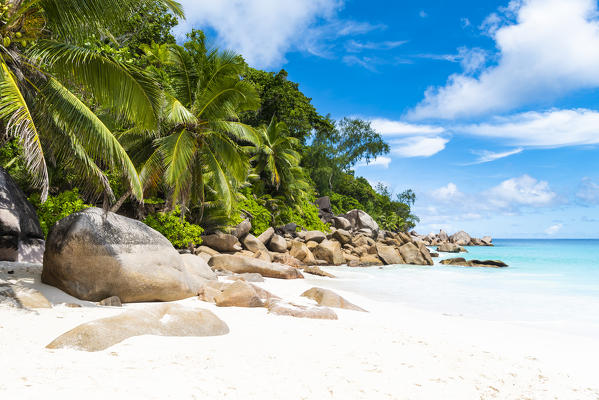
x,y
57,207
305,214
176,229
261,217
341,203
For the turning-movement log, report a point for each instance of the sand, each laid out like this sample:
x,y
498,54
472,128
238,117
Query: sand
x,y
392,352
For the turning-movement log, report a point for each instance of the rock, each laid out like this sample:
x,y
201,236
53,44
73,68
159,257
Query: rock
x,y
112,301
434,255
487,240
449,248
361,220
404,237
263,255
288,259
253,277
412,255
461,238
350,257
278,307
278,244
157,320
342,236
443,236
324,209
314,236
206,250
329,251
290,228
95,254
474,263
313,270
242,229
368,232
266,235
204,256
222,242
240,264
370,259
425,253
251,243
328,298
197,266
21,236
238,294
22,297
312,245
301,252
389,254
341,223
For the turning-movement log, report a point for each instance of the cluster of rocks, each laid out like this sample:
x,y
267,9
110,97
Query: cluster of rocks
x,y
354,239
460,238
460,261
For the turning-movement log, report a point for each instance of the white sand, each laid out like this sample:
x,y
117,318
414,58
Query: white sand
x,y
393,352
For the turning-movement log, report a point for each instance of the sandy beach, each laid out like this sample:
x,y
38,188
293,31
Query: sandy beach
x,y
392,352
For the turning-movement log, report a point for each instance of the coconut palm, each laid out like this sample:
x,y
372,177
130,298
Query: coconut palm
x,y
46,70
198,150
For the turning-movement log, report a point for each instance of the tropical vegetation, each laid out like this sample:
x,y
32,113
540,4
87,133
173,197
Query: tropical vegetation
x,y
99,105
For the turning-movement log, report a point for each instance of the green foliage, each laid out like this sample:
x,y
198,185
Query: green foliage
x,y
255,208
57,207
342,204
305,214
175,228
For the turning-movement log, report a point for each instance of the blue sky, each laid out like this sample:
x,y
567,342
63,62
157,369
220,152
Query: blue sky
x,y
491,108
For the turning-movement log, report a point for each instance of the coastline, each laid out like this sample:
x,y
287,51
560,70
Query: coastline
x,y
394,351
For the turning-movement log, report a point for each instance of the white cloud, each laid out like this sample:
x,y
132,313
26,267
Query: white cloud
x,y
486,156
588,192
555,128
263,31
355,46
554,229
522,191
379,161
447,193
387,127
546,49
418,146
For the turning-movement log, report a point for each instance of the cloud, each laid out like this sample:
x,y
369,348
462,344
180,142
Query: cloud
x,y
368,63
554,128
418,146
379,161
554,229
486,156
387,127
263,31
546,49
354,46
588,192
447,193
522,191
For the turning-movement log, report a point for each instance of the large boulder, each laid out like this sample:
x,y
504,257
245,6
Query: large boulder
x,y
487,240
277,244
450,248
342,236
328,298
341,223
21,236
222,242
325,212
238,294
443,236
412,255
197,266
266,235
279,307
254,245
242,229
474,263
389,254
361,220
301,251
461,238
95,254
156,320
314,236
241,264
329,251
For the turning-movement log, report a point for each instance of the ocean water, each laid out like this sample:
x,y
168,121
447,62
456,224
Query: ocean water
x,y
550,284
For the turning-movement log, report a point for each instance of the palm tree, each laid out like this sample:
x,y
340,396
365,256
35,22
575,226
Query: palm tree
x,y
198,149
48,78
277,161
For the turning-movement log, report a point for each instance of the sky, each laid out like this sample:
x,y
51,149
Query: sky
x,y
491,108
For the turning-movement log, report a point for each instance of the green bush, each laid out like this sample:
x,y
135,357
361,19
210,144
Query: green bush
x,y
305,214
57,207
176,229
342,204
261,217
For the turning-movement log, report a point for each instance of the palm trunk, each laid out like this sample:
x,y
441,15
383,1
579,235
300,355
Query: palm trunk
x,y
116,207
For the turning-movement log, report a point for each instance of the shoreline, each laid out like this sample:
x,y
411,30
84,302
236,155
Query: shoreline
x,y
394,351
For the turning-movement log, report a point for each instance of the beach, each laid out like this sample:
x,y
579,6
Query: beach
x,y
392,352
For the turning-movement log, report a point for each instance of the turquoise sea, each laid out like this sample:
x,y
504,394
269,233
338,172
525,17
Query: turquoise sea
x,y
551,284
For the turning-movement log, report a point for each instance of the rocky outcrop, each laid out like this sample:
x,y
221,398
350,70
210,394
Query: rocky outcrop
x,y
328,298
266,235
451,248
277,244
301,252
197,266
329,251
413,255
251,243
313,236
241,264
238,294
95,254
341,223
474,263
279,307
21,236
361,220
461,238
222,242
156,320
325,212
389,254
242,229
